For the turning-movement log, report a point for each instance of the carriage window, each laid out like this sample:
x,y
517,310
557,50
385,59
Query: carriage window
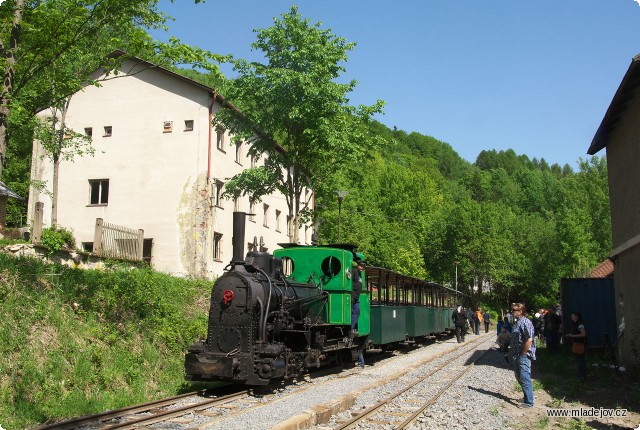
x,y
331,266
287,266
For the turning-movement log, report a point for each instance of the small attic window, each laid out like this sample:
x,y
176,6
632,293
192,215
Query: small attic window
x,y
188,125
168,127
88,131
108,131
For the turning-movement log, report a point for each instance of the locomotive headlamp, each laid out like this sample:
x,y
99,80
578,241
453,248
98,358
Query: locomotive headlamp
x,y
227,297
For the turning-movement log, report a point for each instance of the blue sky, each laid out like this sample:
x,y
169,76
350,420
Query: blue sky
x,y
534,76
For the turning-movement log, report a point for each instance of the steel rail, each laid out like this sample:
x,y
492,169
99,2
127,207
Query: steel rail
x,y
406,423
376,407
101,418
162,416
115,413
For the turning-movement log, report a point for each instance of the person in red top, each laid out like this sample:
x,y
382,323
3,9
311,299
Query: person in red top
x,y
477,320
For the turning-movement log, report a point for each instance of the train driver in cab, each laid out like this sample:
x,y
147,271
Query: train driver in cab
x,y
356,286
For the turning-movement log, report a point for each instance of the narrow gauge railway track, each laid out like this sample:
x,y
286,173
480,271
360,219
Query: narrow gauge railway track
x,y
166,409
276,411
130,416
212,412
402,403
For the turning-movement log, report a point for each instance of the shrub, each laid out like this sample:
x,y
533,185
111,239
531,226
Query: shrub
x,y
53,239
86,341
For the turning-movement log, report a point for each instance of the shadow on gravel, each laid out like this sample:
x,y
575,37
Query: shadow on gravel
x,y
494,394
493,358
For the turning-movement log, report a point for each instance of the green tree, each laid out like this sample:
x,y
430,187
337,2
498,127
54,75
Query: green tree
x,y
50,49
584,221
61,143
296,114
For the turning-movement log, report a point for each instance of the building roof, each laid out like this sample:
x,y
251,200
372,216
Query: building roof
x,y
224,102
603,270
629,84
118,53
6,191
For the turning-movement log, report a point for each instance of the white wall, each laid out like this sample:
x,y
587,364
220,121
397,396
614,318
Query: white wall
x,y
157,180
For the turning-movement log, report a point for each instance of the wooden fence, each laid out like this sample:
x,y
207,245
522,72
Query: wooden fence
x,y
114,241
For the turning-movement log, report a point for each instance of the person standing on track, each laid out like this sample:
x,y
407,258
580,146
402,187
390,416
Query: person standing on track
x,y
477,321
470,315
523,352
459,321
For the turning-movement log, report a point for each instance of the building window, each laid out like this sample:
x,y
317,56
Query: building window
x,y
88,131
188,125
278,220
217,246
108,131
252,212
254,161
220,137
98,192
168,127
87,246
265,212
239,152
289,226
218,197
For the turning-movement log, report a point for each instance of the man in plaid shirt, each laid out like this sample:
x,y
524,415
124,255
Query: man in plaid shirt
x,y
523,351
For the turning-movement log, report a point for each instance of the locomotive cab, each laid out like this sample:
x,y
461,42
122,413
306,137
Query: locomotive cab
x,y
331,269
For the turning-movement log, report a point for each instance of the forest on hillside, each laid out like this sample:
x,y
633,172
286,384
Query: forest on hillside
x,y
512,225
509,225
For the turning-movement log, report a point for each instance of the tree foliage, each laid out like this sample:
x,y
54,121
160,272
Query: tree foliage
x,y
514,225
51,49
295,113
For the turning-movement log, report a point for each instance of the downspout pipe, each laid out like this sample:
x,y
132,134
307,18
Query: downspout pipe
x,y
213,102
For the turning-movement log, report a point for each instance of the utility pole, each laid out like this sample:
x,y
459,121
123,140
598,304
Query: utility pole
x,y
341,196
456,263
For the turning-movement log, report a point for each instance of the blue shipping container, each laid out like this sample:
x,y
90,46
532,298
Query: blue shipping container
x,y
594,298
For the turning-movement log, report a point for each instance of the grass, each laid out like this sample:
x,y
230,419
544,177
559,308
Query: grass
x,y
577,424
79,341
557,375
543,423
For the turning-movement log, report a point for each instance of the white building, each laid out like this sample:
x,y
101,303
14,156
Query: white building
x,y
159,165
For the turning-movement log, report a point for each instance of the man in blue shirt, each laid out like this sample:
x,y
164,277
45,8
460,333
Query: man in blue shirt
x,y
523,351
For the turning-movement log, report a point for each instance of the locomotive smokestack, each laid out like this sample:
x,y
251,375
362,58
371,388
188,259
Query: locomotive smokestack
x,y
239,220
